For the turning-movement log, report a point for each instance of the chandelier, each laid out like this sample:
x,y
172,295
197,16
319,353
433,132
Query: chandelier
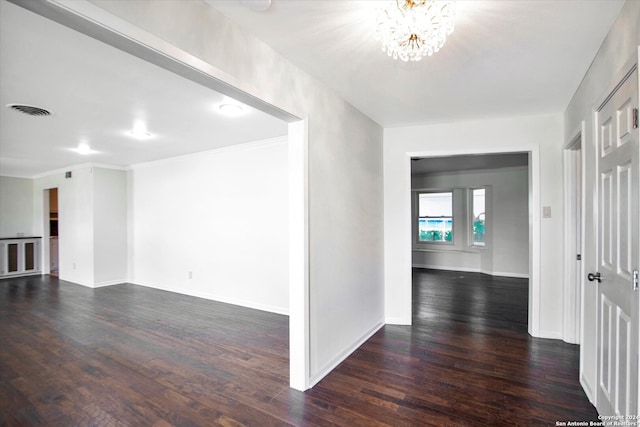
x,y
412,29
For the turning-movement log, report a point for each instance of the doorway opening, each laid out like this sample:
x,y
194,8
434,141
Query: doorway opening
x,y
50,242
471,218
574,220
51,228
532,241
128,38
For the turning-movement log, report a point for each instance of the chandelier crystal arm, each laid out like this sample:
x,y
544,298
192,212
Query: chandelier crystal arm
x,y
412,29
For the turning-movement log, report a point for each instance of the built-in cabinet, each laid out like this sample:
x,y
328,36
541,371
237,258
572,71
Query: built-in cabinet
x,y
20,256
53,231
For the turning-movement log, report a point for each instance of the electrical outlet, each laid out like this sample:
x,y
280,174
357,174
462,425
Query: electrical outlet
x,y
191,275
546,212
74,265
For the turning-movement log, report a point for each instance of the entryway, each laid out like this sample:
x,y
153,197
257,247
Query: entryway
x,y
51,229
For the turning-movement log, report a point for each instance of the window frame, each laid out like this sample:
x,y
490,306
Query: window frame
x,y
418,218
471,218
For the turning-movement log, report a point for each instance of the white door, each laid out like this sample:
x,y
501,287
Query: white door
x,y
617,252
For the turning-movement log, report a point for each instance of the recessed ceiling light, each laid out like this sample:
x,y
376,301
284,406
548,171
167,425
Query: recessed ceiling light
x,y
140,131
231,110
140,134
84,149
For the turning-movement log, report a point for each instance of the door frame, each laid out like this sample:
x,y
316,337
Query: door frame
x,y
45,250
573,283
619,77
534,225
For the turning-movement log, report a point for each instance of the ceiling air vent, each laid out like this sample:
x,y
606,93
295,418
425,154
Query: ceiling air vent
x,y
30,110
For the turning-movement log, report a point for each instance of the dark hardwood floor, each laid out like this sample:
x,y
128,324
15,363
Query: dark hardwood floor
x,y
132,356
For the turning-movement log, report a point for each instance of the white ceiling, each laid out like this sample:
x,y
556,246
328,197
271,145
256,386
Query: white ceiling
x,y
96,93
505,57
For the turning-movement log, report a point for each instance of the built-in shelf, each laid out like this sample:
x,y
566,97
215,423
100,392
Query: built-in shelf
x,y
19,256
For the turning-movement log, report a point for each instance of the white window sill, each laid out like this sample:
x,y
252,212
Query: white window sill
x,y
448,248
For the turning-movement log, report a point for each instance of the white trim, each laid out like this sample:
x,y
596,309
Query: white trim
x,y
416,219
472,270
89,19
235,147
159,162
402,321
573,282
477,250
552,335
534,242
109,283
534,223
447,268
620,78
506,274
588,389
76,283
78,167
15,275
45,249
214,297
299,323
68,168
346,353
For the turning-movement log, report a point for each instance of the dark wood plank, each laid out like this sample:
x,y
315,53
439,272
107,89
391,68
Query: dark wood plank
x,y
466,360
129,355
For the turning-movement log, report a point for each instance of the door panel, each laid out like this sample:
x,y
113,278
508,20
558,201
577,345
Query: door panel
x,y
624,220
618,255
606,225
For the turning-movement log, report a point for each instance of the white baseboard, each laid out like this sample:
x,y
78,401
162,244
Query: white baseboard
x,y
76,283
588,390
11,276
315,379
445,268
109,283
401,321
472,270
218,298
571,341
504,274
552,335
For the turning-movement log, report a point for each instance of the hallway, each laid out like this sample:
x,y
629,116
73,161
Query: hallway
x,y
467,360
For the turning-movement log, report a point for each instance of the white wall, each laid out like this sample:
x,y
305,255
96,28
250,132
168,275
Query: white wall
x,y
221,215
75,222
16,206
109,226
620,46
345,198
507,247
91,223
540,135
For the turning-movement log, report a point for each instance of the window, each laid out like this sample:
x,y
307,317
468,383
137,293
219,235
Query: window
x,y
435,219
478,216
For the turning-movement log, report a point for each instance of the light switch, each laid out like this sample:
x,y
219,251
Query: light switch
x,y
546,212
